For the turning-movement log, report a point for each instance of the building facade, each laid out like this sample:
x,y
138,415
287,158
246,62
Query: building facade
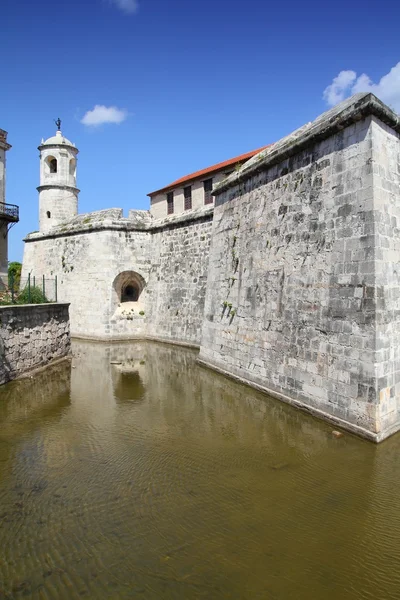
x,y
195,190
9,214
289,283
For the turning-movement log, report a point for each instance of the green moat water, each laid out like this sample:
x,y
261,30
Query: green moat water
x,y
136,473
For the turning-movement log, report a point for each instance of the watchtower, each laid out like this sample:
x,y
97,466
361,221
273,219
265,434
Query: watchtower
x,y
58,194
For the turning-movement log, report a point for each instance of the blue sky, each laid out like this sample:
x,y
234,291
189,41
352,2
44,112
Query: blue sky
x,y
192,82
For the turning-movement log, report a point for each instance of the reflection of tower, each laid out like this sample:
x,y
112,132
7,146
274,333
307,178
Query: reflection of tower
x,y
58,194
8,212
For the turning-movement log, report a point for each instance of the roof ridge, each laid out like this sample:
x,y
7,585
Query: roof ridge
x,y
208,170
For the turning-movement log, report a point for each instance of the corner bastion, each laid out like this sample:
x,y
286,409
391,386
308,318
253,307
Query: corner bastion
x,y
290,283
303,290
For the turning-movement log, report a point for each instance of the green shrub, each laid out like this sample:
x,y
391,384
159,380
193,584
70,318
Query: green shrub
x,y
35,296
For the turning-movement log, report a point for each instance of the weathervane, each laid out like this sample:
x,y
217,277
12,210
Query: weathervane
x,y
58,123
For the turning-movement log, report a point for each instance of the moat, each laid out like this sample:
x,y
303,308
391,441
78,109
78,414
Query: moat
x,y
132,472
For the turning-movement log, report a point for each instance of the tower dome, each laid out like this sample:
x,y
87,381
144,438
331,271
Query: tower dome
x,y
56,140
58,194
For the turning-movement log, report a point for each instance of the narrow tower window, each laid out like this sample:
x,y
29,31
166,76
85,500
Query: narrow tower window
x,y
72,167
48,214
53,165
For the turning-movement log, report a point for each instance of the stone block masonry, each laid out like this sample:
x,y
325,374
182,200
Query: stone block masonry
x,y
290,283
177,283
90,252
303,291
32,336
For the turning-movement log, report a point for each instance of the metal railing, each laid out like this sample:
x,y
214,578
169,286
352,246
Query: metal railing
x,y
29,290
10,211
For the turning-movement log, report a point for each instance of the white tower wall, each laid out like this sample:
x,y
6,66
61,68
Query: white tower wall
x,y
58,194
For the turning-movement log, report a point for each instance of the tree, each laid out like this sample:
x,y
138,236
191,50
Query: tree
x,y
14,275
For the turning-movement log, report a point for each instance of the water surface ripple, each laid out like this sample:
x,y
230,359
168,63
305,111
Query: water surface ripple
x,y
135,473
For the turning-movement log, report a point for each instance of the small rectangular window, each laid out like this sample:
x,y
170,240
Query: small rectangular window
x,y
170,203
208,184
187,192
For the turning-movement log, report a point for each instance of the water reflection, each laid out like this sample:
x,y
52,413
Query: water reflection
x,y
136,473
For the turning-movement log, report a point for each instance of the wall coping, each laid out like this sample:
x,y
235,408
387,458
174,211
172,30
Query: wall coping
x,y
352,110
96,222
43,306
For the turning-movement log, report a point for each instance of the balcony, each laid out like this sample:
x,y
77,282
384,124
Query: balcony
x,y
9,212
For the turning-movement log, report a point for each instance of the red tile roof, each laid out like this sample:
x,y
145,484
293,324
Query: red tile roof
x,y
208,171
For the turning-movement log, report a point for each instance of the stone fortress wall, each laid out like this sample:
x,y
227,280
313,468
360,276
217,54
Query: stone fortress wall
x,y
95,254
290,283
31,336
303,296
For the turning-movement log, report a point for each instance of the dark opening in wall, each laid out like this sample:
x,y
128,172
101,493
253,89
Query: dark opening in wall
x,y
208,185
130,293
128,287
187,192
170,203
53,165
48,214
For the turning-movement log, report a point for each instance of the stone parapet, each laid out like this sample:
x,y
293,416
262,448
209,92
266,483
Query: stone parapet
x,y
303,287
343,115
112,220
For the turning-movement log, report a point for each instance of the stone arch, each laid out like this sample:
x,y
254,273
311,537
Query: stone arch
x,y
128,286
52,164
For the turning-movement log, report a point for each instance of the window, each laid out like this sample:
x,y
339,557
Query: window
x,y
51,164
72,167
187,192
208,183
170,203
48,213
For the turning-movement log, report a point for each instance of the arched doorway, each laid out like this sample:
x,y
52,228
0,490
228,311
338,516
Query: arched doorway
x,y
128,287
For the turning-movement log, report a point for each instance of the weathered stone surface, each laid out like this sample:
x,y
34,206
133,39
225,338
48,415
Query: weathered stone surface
x,y
303,291
31,336
88,254
298,293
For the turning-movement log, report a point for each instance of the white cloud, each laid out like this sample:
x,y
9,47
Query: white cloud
x,y
104,114
339,87
347,83
129,7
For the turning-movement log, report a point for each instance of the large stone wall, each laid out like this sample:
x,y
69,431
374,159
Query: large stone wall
x,y
385,301
178,278
31,336
302,295
90,253
298,293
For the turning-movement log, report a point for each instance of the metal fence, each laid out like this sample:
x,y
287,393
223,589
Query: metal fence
x,y
32,289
